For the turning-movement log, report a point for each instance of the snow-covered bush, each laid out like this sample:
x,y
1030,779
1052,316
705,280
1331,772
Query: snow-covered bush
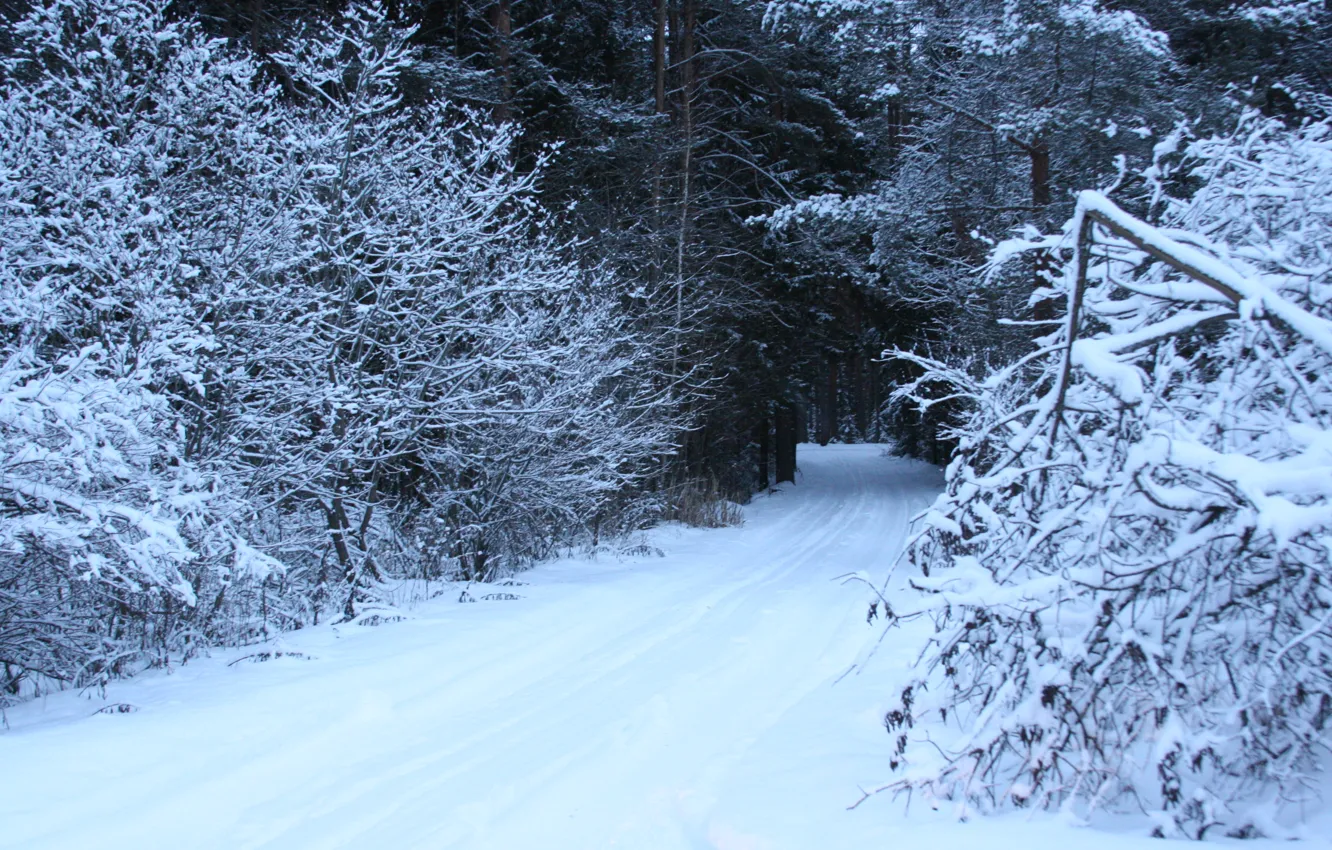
x,y
430,362
107,525
269,334
1129,569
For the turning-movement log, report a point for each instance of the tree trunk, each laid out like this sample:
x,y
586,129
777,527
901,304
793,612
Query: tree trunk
x,y
686,62
1044,263
502,25
1039,152
786,442
659,55
674,40
895,123
828,405
860,394
337,530
659,66
761,437
687,69
873,434
257,27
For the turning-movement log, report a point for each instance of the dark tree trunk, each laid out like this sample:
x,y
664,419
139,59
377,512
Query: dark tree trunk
x,y
659,55
1039,152
786,443
257,27
860,393
337,529
930,422
872,381
827,431
673,41
895,124
761,437
659,66
1045,263
969,247
502,25
687,69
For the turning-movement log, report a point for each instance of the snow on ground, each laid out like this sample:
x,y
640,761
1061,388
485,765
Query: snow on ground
x,y
700,700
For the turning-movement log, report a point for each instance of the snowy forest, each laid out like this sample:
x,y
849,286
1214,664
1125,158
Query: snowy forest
x,y
301,300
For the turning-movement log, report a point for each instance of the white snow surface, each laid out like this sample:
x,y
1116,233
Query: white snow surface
x,y
713,698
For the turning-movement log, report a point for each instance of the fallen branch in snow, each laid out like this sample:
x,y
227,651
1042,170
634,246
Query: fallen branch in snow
x,y
1128,569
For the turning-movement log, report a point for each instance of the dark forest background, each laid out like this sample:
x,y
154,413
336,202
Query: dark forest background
x,y
813,183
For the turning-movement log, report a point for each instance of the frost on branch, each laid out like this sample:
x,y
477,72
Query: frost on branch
x,y
105,527
1128,571
269,341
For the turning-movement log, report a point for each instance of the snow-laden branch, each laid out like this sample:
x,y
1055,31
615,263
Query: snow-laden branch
x,y
1246,293
1128,569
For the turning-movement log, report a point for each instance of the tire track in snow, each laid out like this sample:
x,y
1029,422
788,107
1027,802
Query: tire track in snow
x,y
817,529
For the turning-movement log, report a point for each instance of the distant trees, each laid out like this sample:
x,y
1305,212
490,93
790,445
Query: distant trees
x,y
979,119
676,123
806,183
984,116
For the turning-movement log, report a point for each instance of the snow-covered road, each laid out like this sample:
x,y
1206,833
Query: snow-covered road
x,y
677,702
614,705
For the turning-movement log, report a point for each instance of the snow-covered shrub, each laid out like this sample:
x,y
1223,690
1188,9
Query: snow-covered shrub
x,y
1129,569
106,524
269,335
429,365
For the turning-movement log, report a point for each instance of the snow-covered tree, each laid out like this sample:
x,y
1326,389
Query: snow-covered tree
x,y
1128,569
982,116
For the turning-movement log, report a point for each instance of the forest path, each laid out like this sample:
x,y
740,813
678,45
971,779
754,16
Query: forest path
x,y
677,702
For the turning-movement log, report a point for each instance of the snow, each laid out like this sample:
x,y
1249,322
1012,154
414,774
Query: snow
x,y
1317,329
684,701
713,698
